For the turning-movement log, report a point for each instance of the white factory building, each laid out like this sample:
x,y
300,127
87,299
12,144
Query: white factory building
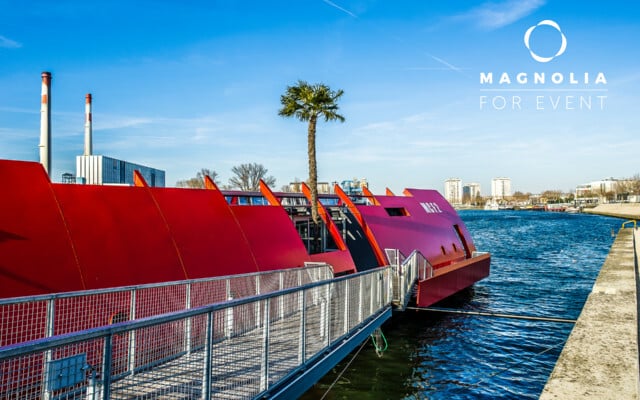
x,y
103,170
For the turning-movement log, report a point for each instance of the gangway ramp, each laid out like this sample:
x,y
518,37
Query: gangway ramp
x,y
267,345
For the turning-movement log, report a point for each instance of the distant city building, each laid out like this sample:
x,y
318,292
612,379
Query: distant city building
x,y
354,186
598,188
470,192
103,170
500,188
453,190
296,187
605,190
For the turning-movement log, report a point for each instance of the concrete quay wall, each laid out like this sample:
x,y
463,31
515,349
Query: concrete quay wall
x,y
600,358
620,210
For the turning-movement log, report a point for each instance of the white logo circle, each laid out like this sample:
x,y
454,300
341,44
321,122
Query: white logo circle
x,y
550,23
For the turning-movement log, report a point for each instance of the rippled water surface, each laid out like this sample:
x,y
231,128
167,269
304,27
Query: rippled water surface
x,y
543,264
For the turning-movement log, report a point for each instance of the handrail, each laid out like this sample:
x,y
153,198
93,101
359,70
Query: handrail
x,y
313,317
406,271
63,295
34,317
631,221
24,348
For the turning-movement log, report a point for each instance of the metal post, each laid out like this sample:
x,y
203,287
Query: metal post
x,y
188,321
132,333
208,349
360,299
264,367
327,320
323,316
302,349
374,281
228,328
257,306
401,284
48,355
281,298
106,368
383,285
346,307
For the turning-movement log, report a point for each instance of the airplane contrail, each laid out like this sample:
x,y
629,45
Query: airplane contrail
x,y
334,5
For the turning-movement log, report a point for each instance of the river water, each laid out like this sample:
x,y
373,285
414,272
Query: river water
x,y
543,264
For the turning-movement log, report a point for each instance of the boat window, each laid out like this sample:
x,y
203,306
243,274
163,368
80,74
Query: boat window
x,y
330,201
397,212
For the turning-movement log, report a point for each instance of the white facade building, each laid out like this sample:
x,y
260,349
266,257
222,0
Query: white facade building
x,y
602,190
597,188
101,170
453,190
500,188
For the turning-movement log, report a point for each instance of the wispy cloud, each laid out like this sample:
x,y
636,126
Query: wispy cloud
x,y
344,10
8,43
496,15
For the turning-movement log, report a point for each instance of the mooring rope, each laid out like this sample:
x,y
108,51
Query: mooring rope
x,y
496,315
343,370
376,337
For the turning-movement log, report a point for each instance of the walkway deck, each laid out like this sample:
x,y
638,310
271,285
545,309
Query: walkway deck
x,y
600,358
271,345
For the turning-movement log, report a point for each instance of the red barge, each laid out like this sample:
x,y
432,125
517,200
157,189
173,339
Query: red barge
x,y
57,237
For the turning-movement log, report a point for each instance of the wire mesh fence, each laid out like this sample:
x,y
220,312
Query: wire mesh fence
x,y
236,349
29,318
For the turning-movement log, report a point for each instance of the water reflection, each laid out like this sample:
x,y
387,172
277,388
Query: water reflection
x,y
542,264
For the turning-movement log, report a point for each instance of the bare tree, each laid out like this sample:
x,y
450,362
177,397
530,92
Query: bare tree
x,y
198,181
247,177
634,185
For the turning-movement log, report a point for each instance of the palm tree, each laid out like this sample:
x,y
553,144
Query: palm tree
x,y
307,103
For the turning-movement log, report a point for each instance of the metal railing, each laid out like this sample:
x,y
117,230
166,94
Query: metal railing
x,y
34,317
239,348
406,271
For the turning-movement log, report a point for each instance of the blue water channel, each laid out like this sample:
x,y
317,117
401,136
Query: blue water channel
x,y
543,264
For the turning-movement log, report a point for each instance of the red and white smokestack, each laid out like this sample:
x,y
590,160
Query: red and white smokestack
x,y
45,123
88,139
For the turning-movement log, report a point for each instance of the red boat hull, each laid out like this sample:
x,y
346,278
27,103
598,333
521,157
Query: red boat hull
x,y
65,237
450,281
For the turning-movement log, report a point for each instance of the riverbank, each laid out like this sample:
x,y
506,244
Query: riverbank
x,y
600,358
620,210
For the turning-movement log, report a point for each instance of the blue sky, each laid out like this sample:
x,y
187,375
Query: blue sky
x,y
187,85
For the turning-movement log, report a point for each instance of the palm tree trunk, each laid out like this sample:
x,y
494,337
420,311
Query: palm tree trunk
x,y
313,171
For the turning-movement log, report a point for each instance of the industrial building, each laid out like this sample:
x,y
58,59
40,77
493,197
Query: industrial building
x,y
90,169
103,170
